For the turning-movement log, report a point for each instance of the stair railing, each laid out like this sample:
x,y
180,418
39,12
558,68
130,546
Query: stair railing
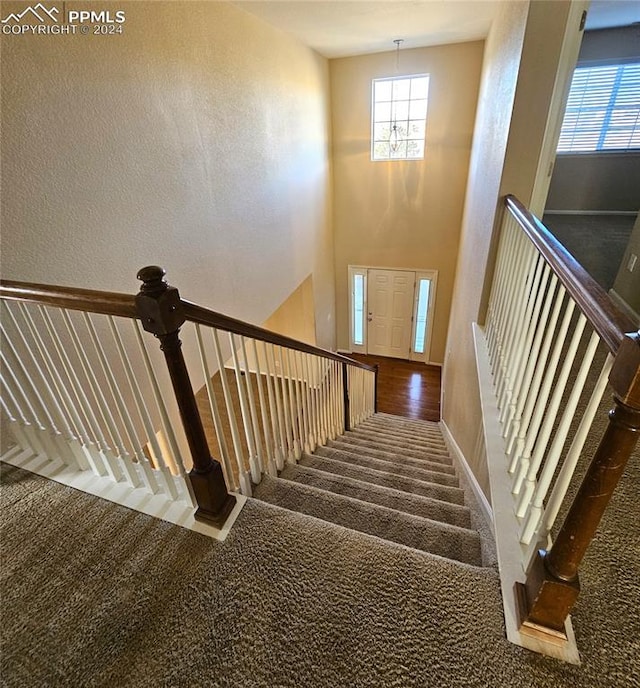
x,y
554,340
84,390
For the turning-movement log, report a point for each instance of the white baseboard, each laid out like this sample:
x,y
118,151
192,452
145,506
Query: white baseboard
x,y
454,449
346,352
506,526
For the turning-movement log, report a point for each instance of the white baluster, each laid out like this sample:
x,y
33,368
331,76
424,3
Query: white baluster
x,y
518,360
536,505
291,455
546,428
539,325
129,469
293,407
243,474
268,441
277,428
149,476
245,413
275,389
571,461
252,409
232,485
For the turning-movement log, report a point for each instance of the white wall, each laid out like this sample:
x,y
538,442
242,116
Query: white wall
x,y
198,140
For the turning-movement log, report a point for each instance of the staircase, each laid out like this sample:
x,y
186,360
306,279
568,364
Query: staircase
x,y
390,477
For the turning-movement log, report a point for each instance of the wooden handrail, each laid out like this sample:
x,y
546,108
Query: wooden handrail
x,y
118,304
607,320
88,300
204,316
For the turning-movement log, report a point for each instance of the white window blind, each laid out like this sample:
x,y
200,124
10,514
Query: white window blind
x,y
603,110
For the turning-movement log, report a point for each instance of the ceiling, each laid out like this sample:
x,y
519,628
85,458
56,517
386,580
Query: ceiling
x,y
338,28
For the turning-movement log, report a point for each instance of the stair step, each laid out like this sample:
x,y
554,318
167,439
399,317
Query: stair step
x,y
407,459
392,444
417,505
419,440
407,470
453,542
388,445
377,477
407,424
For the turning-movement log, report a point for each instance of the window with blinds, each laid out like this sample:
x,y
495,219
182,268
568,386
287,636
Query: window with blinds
x,y
603,110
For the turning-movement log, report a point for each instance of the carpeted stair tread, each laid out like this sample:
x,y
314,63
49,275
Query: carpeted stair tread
x,y
366,442
402,457
433,452
409,425
459,544
397,482
420,441
436,510
396,468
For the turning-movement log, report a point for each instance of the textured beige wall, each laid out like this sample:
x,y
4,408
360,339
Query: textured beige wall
x,y
295,317
403,214
460,396
198,140
517,88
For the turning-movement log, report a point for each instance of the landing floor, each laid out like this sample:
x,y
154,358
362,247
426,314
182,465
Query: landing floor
x,y
406,388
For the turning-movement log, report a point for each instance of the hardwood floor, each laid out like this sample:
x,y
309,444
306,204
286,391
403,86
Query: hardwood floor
x,y
406,388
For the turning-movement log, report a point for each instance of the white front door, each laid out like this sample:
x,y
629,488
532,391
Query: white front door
x,y
390,296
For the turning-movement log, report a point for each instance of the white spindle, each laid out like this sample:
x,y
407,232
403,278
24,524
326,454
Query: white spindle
x,y
215,414
243,475
553,455
105,419
303,410
275,390
149,476
268,441
550,414
276,430
255,426
291,454
571,461
246,413
518,359
92,448
516,445
293,407
131,436
514,324
541,399
55,397
538,328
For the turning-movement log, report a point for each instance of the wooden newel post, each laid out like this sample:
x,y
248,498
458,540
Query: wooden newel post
x,y
345,397
552,585
160,311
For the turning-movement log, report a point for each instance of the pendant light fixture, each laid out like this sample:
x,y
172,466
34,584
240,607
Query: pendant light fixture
x,y
395,139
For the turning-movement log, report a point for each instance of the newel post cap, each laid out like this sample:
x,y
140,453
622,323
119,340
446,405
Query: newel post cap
x,y
158,304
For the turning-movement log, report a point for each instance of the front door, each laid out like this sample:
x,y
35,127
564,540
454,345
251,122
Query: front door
x,y
390,296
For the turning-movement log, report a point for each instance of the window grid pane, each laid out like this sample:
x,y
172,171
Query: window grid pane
x,y
358,309
603,110
407,109
421,316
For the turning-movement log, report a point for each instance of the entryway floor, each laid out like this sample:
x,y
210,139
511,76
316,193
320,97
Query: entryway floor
x,y
406,388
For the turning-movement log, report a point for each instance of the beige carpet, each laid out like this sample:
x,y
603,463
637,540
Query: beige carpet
x,y
96,595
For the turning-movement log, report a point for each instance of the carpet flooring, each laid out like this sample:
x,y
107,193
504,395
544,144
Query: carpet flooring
x,y
597,242
94,594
